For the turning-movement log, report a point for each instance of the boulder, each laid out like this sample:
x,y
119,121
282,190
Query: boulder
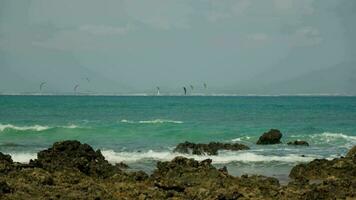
x,y
299,143
273,136
73,154
352,152
209,149
4,188
338,168
6,163
191,179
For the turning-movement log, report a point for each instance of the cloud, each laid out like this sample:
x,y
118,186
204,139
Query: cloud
x,y
160,14
257,37
306,36
103,30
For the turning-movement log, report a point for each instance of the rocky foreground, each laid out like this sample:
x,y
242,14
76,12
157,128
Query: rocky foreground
x,y
71,170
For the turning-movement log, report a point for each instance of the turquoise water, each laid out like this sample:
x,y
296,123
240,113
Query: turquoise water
x,y
141,130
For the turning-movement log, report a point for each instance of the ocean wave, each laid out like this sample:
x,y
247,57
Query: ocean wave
x,y
24,128
329,138
155,121
223,158
22,157
36,128
239,139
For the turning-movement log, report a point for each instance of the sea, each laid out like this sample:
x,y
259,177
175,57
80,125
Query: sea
x,y
141,130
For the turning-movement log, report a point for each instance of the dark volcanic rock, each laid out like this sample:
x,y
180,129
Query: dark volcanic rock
x,y
4,188
323,169
352,152
298,142
71,170
73,154
326,189
271,137
6,163
210,149
190,179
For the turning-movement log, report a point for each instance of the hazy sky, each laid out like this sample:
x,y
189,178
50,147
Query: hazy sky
x,y
136,45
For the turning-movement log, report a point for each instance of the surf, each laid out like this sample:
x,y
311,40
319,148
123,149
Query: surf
x,y
36,128
155,121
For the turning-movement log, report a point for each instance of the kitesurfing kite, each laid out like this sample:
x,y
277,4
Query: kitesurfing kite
x,y
158,91
185,90
76,87
41,85
205,86
192,87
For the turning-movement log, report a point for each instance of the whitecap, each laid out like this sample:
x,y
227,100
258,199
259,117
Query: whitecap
x,y
155,121
239,139
127,121
160,121
223,158
37,128
72,126
23,128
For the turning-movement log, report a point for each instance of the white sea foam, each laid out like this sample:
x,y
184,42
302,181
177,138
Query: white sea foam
x,y
37,128
72,126
127,121
155,121
23,128
160,121
330,136
239,139
22,157
226,157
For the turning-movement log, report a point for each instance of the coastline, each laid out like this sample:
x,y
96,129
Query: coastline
x,y
71,170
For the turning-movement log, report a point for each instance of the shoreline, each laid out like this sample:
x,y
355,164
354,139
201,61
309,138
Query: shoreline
x,y
63,170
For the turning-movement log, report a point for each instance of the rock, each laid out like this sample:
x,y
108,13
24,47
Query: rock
x,y
323,169
210,149
73,154
6,163
298,142
352,152
271,137
4,188
121,165
80,177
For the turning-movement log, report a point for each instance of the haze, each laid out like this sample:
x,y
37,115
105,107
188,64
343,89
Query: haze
x,y
132,46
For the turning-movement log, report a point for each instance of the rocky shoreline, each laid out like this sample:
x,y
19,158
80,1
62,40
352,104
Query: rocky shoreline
x,y
71,170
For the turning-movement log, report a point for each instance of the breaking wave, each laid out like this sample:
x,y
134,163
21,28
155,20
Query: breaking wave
x,y
22,157
223,158
156,121
36,128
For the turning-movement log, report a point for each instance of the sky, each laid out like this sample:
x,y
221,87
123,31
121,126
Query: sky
x,y
133,46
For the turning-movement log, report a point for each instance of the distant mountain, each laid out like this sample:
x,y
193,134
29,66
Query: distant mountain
x,y
61,70
339,79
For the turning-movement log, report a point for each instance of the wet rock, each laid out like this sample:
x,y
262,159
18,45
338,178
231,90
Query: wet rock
x,y
73,154
273,136
209,149
298,142
352,152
